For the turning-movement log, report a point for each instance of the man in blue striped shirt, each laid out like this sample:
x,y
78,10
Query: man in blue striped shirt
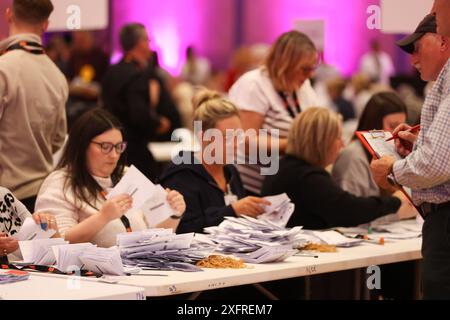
x,y
426,167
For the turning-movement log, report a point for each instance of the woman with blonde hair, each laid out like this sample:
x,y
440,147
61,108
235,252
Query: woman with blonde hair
x,y
271,97
314,143
209,183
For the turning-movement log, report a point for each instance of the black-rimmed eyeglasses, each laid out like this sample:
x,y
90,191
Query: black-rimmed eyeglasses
x,y
107,147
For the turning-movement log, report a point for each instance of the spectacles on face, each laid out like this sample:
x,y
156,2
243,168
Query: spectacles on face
x,y
107,147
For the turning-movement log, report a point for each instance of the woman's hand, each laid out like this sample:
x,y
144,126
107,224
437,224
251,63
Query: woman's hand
x,y
116,207
47,221
250,206
176,201
7,244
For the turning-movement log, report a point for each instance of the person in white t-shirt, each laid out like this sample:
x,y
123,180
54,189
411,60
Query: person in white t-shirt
x,y
377,64
272,96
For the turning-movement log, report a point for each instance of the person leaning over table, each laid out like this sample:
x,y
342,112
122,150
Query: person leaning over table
x,y
314,143
212,189
92,163
12,216
426,167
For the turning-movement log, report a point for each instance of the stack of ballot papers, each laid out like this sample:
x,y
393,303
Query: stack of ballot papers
x,y
333,238
68,256
161,249
256,240
400,230
39,252
11,276
148,197
30,230
102,260
280,210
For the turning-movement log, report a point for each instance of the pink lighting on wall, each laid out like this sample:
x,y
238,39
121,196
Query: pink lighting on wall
x,y
209,25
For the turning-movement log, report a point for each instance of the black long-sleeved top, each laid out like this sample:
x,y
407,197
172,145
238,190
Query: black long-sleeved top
x,y
319,202
205,201
125,92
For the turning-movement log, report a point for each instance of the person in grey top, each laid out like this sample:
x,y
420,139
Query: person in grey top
x,y
384,111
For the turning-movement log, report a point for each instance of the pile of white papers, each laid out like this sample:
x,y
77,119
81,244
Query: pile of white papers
x,y
68,256
40,252
280,210
400,230
30,230
102,260
256,241
161,249
333,238
148,197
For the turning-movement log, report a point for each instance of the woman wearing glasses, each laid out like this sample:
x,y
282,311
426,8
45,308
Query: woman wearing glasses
x,y
92,163
270,97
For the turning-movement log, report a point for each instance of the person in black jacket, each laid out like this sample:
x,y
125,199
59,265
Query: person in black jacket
x,y
314,143
212,189
132,93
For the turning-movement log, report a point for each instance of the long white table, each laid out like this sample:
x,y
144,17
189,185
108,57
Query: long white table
x,y
42,287
366,255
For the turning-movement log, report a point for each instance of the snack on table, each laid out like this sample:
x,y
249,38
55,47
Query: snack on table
x,y
221,262
319,247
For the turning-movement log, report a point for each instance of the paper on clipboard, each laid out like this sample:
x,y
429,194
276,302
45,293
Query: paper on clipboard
x,y
375,142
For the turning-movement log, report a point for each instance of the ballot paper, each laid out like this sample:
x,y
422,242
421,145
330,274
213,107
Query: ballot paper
x,y
256,240
40,251
30,230
280,210
157,209
105,261
68,256
400,230
160,249
148,197
135,184
335,238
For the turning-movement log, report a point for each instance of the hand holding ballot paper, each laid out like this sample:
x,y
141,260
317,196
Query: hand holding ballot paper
x,y
157,204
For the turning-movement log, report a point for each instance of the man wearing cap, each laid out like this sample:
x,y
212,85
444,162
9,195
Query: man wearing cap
x,y
426,166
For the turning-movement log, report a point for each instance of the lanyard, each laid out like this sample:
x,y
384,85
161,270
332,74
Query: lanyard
x,y
288,106
28,46
124,219
47,269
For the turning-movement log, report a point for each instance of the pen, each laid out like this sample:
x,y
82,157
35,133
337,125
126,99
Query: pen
x,y
415,128
306,255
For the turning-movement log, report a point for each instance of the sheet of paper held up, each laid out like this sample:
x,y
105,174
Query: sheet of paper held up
x,y
30,230
381,146
280,210
148,197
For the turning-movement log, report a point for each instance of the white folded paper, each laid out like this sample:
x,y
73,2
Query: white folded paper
x,y
30,230
68,256
102,260
40,251
280,210
148,197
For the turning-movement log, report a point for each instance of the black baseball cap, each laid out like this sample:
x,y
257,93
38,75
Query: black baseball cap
x,y
427,25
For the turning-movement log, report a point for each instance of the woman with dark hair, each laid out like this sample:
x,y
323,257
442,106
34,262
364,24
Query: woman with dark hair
x,y
384,111
92,163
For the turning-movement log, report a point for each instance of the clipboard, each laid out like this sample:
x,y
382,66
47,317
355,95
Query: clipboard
x,y
375,142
